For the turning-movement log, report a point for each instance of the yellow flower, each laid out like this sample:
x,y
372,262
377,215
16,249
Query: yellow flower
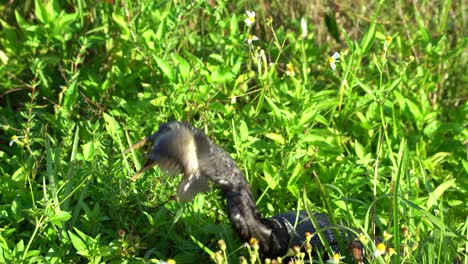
x,y
391,251
380,249
336,258
290,70
308,247
251,38
171,261
297,249
254,243
363,238
222,245
333,60
387,236
250,18
15,139
387,42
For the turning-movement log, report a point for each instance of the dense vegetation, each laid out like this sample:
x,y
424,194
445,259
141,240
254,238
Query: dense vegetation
x,y
380,142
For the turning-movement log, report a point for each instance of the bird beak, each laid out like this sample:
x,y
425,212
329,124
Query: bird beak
x,y
137,145
149,164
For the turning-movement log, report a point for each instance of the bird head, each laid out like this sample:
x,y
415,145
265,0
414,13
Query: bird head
x,y
177,147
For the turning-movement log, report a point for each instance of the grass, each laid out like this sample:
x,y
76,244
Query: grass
x,y
380,142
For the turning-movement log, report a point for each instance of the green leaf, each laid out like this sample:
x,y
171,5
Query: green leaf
x,y
23,24
122,23
443,187
415,111
149,217
111,125
330,21
71,96
437,193
243,131
165,67
41,11
234,26
78,244
360,151
58,218
88,151
3,57
368,39
293,178
276,137
182,65
273,107
222,75
313,138
308,116
269,173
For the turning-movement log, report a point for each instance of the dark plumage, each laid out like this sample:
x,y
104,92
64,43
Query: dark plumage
x,y
178,146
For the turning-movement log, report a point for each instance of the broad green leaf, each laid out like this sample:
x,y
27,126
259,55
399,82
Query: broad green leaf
x,y
308,116
182,66
23,24
414,109
78,244
3,57
19,246
71,96
368,39
443,187
222,75
293,178
243,131
88,151
273,107
58,218
234,26
276,137
111,125
313,138
360,152
165,67
394,84
122,23
41,11
437,193
269,173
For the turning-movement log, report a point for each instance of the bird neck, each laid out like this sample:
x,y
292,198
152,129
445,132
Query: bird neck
x,y
220,168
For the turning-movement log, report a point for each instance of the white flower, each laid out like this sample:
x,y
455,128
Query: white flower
x,y
333,60
304,31
15,139
250,18
251,38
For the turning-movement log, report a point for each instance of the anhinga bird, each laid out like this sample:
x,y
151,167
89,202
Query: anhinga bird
x,y
179,147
